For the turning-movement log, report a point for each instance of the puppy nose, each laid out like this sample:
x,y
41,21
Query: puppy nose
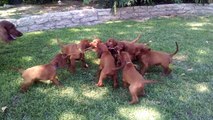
x,y
20,34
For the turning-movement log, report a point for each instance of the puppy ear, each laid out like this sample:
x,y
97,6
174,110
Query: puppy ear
x,y
64,56
137,51
99,53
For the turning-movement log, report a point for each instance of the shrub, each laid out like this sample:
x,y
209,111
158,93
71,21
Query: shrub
x,y
2,2
124,3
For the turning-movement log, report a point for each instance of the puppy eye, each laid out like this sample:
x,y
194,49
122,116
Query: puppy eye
x,y
11,26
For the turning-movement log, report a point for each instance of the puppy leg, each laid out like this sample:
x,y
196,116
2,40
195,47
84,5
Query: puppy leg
x,y
26,84
144,68
84,65
166,69
115,80
134,99
98,73
72,66
125,84
100,81
133,92
56,82
142,93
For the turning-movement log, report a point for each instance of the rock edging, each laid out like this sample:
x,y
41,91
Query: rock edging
x,y
96,16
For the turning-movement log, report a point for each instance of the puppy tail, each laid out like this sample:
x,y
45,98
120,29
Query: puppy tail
x,y
136,39
117,68
121,66
149,81
177,49
20,70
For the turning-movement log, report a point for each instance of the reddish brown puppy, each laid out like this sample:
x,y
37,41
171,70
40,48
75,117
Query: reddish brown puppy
x,y
132,78
94,44
130,47
8,31
150,57
76,52
107,65
43,72
60,60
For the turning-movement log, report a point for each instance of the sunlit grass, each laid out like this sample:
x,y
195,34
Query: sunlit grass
x,y
185,94
202,52
67,115
201,87
112,22
27,58
139,113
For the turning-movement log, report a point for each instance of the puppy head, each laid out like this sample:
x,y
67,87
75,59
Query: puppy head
x,y
60,60
120,47
95,42
141,49
101,47
111,43
124,58
85,44
11,30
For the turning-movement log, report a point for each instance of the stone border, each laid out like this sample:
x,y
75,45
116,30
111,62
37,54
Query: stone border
x,y
95,16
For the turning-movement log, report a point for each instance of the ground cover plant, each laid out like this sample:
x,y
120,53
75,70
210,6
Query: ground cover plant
x,y
187,94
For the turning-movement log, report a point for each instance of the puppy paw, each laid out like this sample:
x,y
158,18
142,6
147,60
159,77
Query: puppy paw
x,y
61,85
99,85
86,66
22,90
115,86
132,102
143,95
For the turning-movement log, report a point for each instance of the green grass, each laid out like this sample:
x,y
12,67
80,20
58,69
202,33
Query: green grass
x,y
186,94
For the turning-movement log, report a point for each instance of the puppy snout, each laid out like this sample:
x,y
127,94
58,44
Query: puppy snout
x,y
20,34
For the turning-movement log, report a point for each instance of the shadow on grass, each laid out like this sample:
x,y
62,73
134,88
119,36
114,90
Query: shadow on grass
x,y
180,96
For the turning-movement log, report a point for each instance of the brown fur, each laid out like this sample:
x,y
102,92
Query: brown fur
x,y
60,60
130,47
43,72
8,31
94,44
151,57
75,52
133,78
107,65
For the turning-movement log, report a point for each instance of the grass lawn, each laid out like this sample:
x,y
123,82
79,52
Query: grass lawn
x,y
186,94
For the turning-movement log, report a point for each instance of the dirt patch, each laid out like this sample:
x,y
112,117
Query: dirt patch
x,y
23,10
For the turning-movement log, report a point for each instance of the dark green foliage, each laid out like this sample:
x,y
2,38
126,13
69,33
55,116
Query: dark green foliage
x,y
119,3
2,2
123,3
